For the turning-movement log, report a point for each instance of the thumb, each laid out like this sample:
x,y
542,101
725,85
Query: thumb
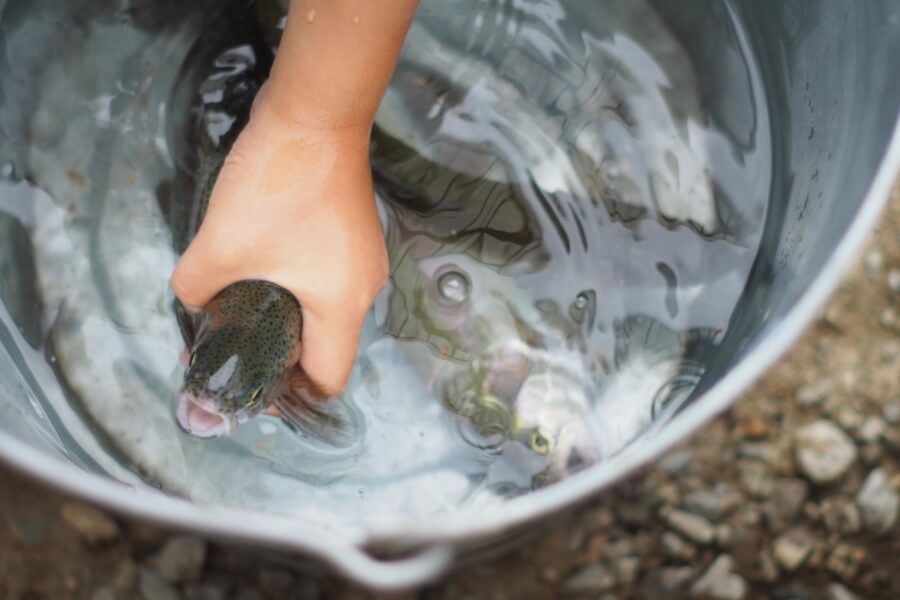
x,y
196,279
329,349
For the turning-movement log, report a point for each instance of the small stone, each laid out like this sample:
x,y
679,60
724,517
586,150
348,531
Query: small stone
x,y
891,412
889,319
719,582
551,575
181,559
785,502
626,569
676,462
823,452
91,524
813,393
848,419
154,587
675,547
125,575
693,527
590,579
836,591
756,480
28,527
674,579
767,568
872,429
275,581
878,502
893,280
754,428
845,560
841,516
874,261
791,549
724,536
203,591
870,454
712,504
104,593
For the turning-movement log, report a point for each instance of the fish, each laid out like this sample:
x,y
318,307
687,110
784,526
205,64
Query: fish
x,y
243,347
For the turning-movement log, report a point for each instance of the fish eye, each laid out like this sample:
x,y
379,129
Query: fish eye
x,y
539,443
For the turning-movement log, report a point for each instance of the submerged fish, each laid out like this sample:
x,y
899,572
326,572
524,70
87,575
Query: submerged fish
x,y
243,346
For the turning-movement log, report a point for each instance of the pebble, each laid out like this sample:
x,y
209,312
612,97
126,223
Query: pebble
x,y
203,591
870,454
889,318
836,591
29,528
845,560
626,569
590,579
673,579
91,524
874,261
712,504
153,587
275,581
792,548
823,452
756,480
675,547
891,412
761,451
766,567
813,393
841,516
104,593
785,502
724,536
677,461
719,582
893,280
693,527
872,429
878,502
181,559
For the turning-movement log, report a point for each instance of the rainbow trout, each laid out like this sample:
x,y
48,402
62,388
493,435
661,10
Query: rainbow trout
x,y
243,346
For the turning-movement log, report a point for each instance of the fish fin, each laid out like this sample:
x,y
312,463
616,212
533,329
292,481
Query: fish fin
x,y
307,409
187,322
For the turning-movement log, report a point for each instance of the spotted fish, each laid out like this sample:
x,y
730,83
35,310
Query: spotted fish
x,y
243,346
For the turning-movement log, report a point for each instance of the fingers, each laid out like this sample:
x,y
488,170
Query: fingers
x,y
329,349
196,280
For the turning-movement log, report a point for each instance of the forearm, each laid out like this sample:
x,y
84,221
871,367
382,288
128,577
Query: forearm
x,y
335,60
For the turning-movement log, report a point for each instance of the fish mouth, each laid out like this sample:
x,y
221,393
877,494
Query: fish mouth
x,y
200,418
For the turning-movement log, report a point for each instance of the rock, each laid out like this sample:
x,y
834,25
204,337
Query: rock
x,y
203,591
724,536
693,527
28,527
878,502
675,547
872,429
761,451
104,593
153,587
791,549
756,480
626,569
845,560
181,559
766,567
836,591
823,452
893,280
754,428
674,579
841,516
719,582
275,581
712,504
788,496
91,524
874,261
126,574
891,412
870,454
677,461
813,393
590,579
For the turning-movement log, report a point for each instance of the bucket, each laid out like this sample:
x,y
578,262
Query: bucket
x,y
831,100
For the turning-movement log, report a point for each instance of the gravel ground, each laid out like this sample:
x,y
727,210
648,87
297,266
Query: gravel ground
x,y
792,494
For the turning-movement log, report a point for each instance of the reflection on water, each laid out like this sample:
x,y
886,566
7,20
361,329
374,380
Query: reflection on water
x,y
569,232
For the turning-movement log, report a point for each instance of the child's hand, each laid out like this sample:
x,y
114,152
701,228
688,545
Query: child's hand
x,y
295,206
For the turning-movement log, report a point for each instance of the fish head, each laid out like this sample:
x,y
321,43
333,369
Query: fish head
x,y
237,364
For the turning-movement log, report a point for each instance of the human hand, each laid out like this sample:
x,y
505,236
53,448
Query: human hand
x,y
294,205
